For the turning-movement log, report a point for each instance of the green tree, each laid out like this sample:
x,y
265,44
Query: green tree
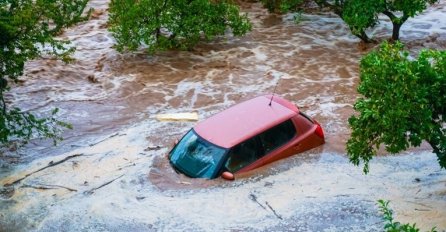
x,y
403,103
167,24
27,30
360,15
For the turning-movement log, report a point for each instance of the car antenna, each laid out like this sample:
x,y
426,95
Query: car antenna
x,y
277,83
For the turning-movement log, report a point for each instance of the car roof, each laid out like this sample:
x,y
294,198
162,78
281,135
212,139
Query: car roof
x,y
244,120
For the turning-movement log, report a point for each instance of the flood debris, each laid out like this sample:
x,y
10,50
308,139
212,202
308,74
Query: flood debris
x,y
185,183
93,79
274,211
102,140
152,148
126,166
50,164
422,209
105,155
91,191
268,184
7,192
47,187
193,116
254,198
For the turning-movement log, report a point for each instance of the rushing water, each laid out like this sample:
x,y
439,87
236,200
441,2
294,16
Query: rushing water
x,y
112,99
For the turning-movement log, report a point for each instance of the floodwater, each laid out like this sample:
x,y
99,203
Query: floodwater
x,y
115,176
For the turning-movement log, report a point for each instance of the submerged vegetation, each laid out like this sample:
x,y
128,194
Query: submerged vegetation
x,y
403,103
27,31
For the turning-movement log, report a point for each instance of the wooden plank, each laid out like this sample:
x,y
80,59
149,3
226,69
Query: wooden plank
x,y
193,116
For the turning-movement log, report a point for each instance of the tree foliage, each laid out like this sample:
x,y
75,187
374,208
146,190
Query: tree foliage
x,y
403,103
166,24
360,15
27,30
394,226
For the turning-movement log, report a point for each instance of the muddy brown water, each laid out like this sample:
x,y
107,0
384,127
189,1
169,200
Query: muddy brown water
x,y
121,179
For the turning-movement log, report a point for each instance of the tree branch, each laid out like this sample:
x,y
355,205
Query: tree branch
x,y
390,15
51,164
91,191
48,186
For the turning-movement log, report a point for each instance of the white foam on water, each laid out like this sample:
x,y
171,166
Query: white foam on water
x,y
310,178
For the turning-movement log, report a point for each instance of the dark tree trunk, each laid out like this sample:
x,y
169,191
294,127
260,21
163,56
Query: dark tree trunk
x,y
396,22
396,31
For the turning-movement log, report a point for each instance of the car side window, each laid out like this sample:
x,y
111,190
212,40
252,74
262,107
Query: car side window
x,y
277,136
244,154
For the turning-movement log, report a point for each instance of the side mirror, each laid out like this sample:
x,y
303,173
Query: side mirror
x,y
228,176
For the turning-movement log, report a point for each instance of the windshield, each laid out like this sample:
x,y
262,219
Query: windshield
x,y
196,157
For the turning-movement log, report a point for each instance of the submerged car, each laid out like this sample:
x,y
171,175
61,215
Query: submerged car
x,y
244,137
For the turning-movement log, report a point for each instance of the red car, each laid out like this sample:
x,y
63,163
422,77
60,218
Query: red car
x,y
244,137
